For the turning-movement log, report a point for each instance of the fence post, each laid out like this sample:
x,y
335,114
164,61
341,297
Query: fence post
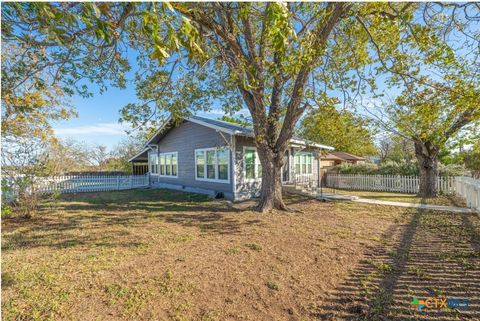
x,y
118,182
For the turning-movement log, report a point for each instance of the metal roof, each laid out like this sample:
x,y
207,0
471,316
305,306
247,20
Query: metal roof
x,y
236,129
226,127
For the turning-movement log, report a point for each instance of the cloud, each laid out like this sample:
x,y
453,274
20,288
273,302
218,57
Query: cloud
x,y
243,112
96,129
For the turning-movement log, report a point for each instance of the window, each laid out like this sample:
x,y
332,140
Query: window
x,y
252,166
174,164
212,165
200,161
168,164
303,163
153,164
222,158
162,165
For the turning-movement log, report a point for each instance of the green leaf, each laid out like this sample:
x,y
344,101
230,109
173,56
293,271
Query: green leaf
x,y
96,10
169,6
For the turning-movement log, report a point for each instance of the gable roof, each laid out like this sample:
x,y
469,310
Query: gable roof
x,y
342,156
330,156
228,128
141,156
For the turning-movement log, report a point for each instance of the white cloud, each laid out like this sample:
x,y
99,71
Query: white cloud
x,y
243,112
96,129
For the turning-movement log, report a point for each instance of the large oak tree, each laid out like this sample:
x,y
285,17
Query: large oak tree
x,y
271,58
276,57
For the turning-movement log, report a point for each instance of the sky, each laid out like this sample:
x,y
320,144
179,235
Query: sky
x,y
97,121
98,116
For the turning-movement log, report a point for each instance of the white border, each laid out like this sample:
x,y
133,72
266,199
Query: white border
x,y
257,163
213,180
150,156
167,176
295,164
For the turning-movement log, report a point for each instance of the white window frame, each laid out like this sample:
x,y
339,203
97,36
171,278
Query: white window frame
x,y
216,179
171,166
310,155
256,167
153,162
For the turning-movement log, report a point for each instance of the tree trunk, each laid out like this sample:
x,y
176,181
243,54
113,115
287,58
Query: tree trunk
x,y
271,193
428,167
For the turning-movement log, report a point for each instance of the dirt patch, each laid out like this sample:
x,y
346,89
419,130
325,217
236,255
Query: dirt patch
x,y
159,255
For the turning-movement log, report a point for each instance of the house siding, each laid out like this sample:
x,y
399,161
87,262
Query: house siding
x,y
185,139
244,189
247,189
315,161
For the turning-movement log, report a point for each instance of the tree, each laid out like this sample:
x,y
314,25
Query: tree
x,y
439,90
23,162
471,158
384,148
236,120
276,57
29,104
122,152
271,58
51,51
340,129
431,117
65,156
252,47
396,148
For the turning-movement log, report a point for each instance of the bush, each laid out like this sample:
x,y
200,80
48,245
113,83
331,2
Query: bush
x,y
6,210
396,168
451,170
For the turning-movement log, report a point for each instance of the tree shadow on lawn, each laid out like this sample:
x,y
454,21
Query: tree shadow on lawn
x,y
91,221
434,255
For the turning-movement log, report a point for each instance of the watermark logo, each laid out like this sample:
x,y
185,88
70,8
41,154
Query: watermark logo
x,y
432,303
417,304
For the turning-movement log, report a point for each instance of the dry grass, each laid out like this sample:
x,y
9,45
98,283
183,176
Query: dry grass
x,y
164,255
447,200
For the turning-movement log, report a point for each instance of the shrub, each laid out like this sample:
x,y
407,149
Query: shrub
x,y
451,170
396,168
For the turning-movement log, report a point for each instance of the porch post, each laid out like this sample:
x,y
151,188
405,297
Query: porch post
x,y
291,165
319,174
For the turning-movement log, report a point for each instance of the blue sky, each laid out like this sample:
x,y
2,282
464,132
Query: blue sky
x,y
97,121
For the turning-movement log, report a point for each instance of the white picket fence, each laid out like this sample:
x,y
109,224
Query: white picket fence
x,y
80,183
468,188
385,183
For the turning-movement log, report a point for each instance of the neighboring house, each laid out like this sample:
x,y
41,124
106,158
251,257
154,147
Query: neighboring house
x,y
218,158
337,158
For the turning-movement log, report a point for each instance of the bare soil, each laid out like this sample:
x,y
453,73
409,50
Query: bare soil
x,y
165,255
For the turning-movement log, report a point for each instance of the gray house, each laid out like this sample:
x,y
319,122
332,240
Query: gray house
x,y
218,158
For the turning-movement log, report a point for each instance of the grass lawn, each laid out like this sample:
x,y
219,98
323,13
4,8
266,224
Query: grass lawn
x,y
448,200
165,255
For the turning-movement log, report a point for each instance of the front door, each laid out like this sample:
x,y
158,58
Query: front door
x,y
286,167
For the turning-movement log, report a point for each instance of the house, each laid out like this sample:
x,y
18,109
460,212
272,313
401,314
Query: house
x,y
218,158
337,158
